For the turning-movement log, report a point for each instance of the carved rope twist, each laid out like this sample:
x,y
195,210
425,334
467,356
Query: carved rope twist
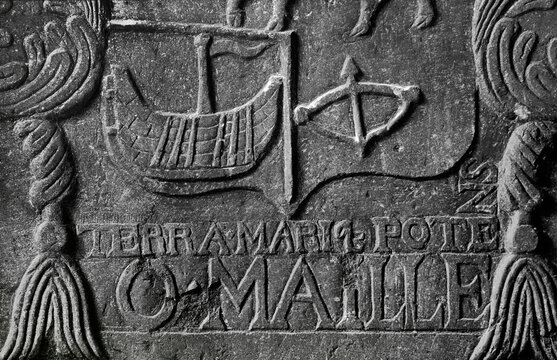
x,y
51,297
518,173
50,161
516,82
523,304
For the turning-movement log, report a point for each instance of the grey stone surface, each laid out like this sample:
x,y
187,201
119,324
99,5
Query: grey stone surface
x,y
349,179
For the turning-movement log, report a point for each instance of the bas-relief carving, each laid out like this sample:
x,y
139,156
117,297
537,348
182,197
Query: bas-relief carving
x,y
59,72
387,115
362,137
517,76
127,302
161,147
254,276
516,67
207,149
424,143
480,180
425,14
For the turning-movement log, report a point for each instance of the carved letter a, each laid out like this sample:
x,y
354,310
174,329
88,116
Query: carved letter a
x,y
301,275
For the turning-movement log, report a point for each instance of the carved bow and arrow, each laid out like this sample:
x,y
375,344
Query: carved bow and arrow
x,y
407,96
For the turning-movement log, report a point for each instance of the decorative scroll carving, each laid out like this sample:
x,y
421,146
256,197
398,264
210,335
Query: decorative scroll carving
x,y
62,70
425,15
523,306
63,65
509,76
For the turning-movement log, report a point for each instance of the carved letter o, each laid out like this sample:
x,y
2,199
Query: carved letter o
x,y
125,284
415,233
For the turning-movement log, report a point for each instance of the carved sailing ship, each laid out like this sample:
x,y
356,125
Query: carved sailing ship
x,y
203,145
192,146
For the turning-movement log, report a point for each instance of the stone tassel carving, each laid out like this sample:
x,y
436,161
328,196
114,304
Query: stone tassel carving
x,y
51,296
523,307
61,72
517,78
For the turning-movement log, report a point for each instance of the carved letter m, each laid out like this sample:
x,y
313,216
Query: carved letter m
x,y
237,294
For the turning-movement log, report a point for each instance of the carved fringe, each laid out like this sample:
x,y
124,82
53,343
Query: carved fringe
x,y
50,297
523,307
523,310
94,13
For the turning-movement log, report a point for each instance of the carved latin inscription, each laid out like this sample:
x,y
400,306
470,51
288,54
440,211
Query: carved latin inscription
x,y
260,275
378,235
191,110
269,292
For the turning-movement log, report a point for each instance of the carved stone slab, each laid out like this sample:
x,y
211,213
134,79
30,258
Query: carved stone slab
x,y
276,179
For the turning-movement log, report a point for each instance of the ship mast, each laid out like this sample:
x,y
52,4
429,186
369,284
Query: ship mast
x,y
201,43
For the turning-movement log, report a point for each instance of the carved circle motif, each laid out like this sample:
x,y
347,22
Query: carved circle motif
x,y
136,316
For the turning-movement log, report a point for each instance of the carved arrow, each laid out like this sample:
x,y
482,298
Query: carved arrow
x,y
407,95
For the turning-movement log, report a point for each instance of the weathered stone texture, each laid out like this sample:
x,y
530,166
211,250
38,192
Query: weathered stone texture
x,y
277,179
